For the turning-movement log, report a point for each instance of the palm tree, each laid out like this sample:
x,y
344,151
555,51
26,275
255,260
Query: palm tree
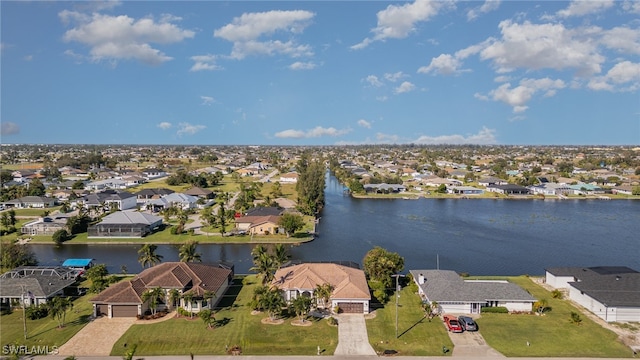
x,y
272,302
188,299
188,252
208,296
301,305
208,317
323,292
58,307
257,251
154,296
174,296
266,266
281,255
148,255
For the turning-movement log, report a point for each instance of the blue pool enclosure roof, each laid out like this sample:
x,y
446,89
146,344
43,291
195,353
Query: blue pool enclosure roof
x,y
77,262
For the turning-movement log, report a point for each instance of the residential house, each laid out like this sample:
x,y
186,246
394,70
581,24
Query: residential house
x,y
384,188
289,178
148,194
437,181
509,189
585,189
46,225
547,188
179,200
151,174
122,200
124,299
200,192
25,202
456,295
105,184
125,224
350,290
490,181
34,285
258,225
610,292
623,190
465,190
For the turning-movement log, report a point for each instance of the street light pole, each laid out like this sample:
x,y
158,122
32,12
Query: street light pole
x,y
24,312
397,296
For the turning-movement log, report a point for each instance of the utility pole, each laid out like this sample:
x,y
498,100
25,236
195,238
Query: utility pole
x,y
24,312
397,297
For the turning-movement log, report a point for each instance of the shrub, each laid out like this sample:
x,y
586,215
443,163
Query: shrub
x,y
174,230
556,294
336,309
575,318
495,310
191,232
332,321
35,312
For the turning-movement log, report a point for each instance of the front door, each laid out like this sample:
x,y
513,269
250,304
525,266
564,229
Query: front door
x,y
475,308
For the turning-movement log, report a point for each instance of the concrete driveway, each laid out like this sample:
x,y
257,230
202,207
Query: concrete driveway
x,y
352,336
97,337
471,344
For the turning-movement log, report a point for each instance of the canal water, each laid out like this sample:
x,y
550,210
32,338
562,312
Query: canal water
x,y
476,236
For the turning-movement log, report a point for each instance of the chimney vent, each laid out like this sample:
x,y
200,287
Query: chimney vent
x,y
421,279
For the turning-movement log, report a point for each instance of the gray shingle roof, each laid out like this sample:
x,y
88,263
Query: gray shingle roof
x,y
130,217
447,285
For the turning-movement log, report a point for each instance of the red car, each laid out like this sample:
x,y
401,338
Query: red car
x,y
452,324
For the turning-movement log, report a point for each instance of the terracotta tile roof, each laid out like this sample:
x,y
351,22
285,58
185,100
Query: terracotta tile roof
x,y
348,282
187,277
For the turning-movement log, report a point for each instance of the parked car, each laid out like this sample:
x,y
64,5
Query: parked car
x,y
452,324
467,323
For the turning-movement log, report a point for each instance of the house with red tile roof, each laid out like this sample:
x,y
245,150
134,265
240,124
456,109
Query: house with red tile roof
x,y
124,299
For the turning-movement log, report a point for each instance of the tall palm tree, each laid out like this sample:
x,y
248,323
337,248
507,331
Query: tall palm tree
x,y
188,299
154,296
280,254
257,251
272,302
188,252
266,266
58,307
148,256
323,292
174,296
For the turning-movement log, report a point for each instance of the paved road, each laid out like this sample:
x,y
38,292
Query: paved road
x,y
352,336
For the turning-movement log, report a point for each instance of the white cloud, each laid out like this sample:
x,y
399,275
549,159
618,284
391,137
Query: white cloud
x,y
398,21
622,39
539,46
207,100
373,80
625,75
404,87
244,32
28,58
489,5
186,128
631,6
298,65
364,123
121,37
444,64
318,131
393,77
520,95
382,98
387,138
585,7
502,78
204,62
9,128
164,125
485,136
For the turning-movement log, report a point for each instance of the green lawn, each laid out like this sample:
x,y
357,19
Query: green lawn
x,y
551,335
45,332
417,336
181,336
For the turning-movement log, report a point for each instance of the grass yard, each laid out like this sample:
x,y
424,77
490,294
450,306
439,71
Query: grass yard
x,y
551,335
417,336
45,332
236,326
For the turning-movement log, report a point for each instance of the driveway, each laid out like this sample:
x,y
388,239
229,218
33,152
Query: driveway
x,y
352,336
97,337
471,344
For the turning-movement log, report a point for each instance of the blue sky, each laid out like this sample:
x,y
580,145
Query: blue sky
x,y
321,73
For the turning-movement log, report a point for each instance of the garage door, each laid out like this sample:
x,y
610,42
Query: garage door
x,y
124,310
351,308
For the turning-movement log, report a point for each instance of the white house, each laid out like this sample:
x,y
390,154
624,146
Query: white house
x,y
610,292
456,295
289,178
